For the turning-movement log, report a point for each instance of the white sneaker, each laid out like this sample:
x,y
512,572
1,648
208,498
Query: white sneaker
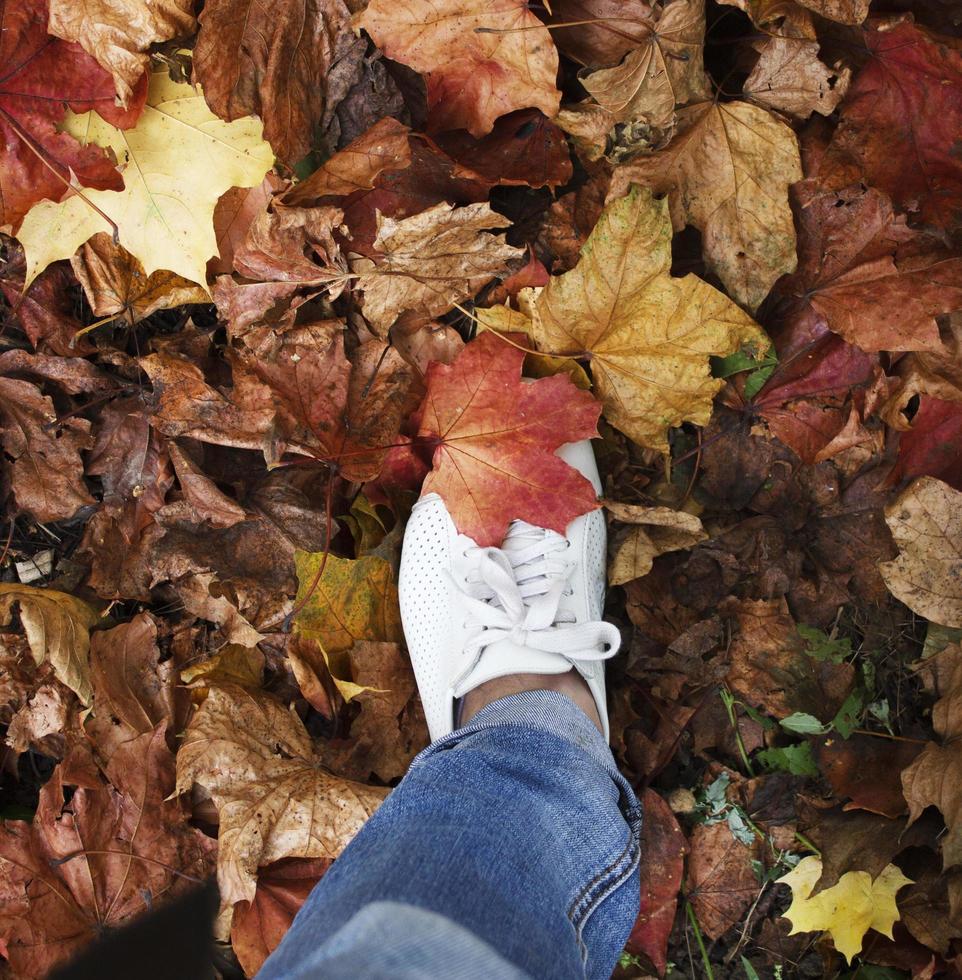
x,y
533,605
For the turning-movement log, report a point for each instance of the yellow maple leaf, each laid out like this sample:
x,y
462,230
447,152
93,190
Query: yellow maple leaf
x,y
848,909
647,334
177,161
351,600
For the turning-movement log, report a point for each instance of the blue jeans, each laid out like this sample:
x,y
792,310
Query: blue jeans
x,y
510,849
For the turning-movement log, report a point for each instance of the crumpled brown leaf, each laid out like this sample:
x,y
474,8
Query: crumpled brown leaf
x,y
431,261
58,630
935,777
926,522
789,77
47,470
654,531
664,71
115,850
480,58
727,173
286,62
118,33
273,795
116,285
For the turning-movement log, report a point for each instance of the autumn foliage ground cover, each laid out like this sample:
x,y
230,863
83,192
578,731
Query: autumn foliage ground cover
x,y
270,270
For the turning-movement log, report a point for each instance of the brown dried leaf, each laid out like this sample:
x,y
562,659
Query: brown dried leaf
x,y
431,261
656,530
274,797
112,852
279,61
58,630
47,471
728,173
118,33
115,283
480,58
721,878
926,522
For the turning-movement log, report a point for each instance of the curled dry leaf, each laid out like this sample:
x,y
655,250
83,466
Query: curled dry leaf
x,y
58,630
789,77
116,285
280,61
480,59
900,124
47,470
180,160
648,334
926,522
110,852
118,33
259,926
665,848
274,798
664,71
494,438
656,531
935,777
431,261
929,448
39,79
727,173
865,274
847,910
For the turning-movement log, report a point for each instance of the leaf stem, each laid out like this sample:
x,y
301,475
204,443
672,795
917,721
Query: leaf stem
x,y
706,963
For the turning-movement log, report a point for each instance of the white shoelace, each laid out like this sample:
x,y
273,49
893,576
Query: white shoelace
x,y
514,592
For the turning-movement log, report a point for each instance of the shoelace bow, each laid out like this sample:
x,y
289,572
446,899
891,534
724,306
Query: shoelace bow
x,y
516,594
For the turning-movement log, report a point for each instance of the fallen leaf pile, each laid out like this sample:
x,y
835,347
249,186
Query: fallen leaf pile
x,y
270,272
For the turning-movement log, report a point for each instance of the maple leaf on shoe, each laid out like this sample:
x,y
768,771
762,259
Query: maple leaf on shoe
x,y
926,522
481,59
647,334
727,173
95,860
274,797
118,33
900,123
493,438
430,261
286,62
39,79
179,160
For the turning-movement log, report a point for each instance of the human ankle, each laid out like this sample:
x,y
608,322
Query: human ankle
x,y
571,684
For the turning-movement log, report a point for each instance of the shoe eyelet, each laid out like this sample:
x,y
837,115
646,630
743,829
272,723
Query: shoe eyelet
x,y
567,544
569,592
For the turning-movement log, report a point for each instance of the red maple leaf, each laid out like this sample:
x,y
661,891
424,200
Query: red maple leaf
x,y
493,438
900,125
40,76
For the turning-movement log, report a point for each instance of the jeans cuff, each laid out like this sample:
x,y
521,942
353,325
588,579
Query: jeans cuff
x,y
556,714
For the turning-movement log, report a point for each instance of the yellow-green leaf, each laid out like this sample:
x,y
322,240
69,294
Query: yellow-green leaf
x,y
848,909
177,161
